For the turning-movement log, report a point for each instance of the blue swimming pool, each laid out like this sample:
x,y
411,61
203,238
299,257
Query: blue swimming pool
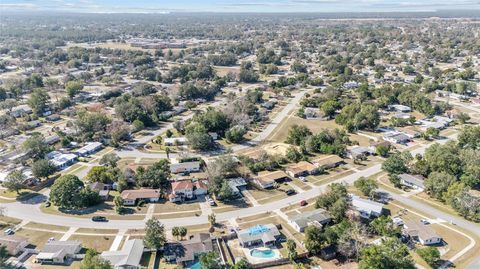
x,y
262,253
196,265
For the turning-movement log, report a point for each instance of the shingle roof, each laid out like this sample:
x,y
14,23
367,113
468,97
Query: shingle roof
x,y
131,254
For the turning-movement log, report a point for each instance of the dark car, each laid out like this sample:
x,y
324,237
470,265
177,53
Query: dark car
x,y
290,192
99,218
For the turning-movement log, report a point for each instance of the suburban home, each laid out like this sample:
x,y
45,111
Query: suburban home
x,y
199,187
327,161
412,181
185,252
14,244
367,208
267,179
318,217
359,152
396,138
61,160
382,143
52,139
181,190
400,108
174,141
213,135
59,252
264,235
237,185
20,111
131,197
184,167
89,148
312,113
302,168
421,233
53,117
127,258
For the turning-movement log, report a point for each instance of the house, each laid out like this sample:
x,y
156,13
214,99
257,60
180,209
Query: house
x,y
402,116
318,217
127,258
412,181
181,190
267,179
53,117
89,148
301,168
20,111
396,138
186,252
213,135
102,189
421,233
357,152
61,160
184,167
367,208
52,139
131,197
264,235
313,114
174,141
382,143
327,161
59,252
237,185
350,84
14,244
400,108
200,187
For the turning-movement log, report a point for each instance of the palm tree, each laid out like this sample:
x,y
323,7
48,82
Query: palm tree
x,y
212,219
182,232
176,232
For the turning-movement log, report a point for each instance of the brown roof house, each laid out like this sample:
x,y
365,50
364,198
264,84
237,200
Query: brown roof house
x,y
301,168
327,161
267,179
185,252
131,197
13,243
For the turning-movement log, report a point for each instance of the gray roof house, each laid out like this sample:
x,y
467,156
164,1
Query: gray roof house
x,y
127,258
237,184
367,208
265,235
317,217
412,181
59,252
421,233
186,251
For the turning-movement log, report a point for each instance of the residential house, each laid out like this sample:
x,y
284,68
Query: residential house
x,y
53,117
396,138
184,167
186,252
127,258
357,152
237,185
412,181
20,111
327,161
264,235
301,168
59,252
181,191
367,208
421,233
313,114
61,160
102,189
400,108
131,197
200,187
89,148
53,139
382,143
174,141
267,179
14,244
318,217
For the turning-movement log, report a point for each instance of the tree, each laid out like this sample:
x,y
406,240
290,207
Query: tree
x,y
3,256
397,163
182,232
154,234
291,250
38,101
437,184
73,87
391,253
470,137
68,192
297,134
36,147
463,117
431,255
315,240
176,232
109,160
366,185
242,264
210,260
99,174
212,219
235,134
329,107
93,261
431,133
155,176
383,150
14,181
118,202
384,226
43,168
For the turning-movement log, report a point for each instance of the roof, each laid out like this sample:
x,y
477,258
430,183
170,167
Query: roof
x,y
187,250
416,180
318,215
200,184
300,167
265,233
424,232
268,176
143,193
237,182
185,165
89,147
59,248
11,242
326,160
131,254
182,185
59,159
366,205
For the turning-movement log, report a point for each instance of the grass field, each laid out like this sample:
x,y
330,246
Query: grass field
x,y
36,238
100,243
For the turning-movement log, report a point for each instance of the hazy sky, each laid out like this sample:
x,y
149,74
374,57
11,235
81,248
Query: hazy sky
x,y
153,6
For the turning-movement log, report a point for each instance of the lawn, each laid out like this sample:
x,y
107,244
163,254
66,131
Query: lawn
x,y
36,238
280,133
49,227
100,243
96,231
105,209
169,207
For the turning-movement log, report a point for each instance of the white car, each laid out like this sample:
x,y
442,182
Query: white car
x,y
8,231
303,179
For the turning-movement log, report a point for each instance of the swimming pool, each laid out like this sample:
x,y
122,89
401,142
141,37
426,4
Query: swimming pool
x,y
196,265
262,253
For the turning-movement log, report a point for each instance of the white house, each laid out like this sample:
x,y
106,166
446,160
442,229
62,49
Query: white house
x,y
184,167
367,208
411,181
421,233
173,141
318,217
89,148
131,197
61,160
127,258
59,252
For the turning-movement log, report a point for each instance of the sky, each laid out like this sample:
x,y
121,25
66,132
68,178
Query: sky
x,y
165,6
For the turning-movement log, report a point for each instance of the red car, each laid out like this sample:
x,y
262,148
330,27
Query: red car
x,y
303,203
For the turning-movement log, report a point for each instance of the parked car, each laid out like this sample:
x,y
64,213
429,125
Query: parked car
x,y
99,218
48,204
303,179
290,192
303,203
8,231
425,222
